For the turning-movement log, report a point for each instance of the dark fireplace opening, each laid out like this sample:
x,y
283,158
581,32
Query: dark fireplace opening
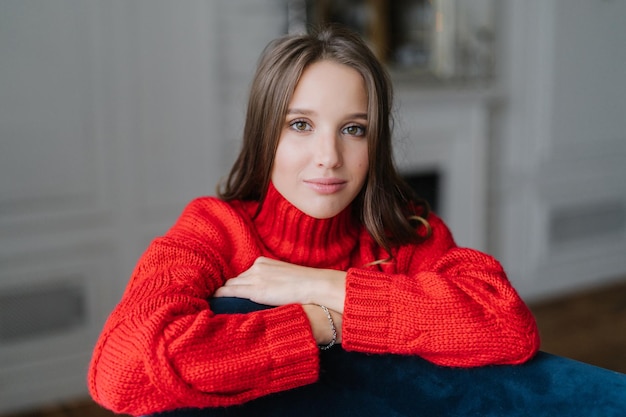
x,y
426,186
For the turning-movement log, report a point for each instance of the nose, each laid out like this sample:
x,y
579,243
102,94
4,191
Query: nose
x,y
328,150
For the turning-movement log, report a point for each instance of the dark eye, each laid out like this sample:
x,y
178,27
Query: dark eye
x,y
354,130
300,125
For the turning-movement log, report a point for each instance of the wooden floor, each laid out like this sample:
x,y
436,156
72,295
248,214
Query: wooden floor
x,y
78,408
589,327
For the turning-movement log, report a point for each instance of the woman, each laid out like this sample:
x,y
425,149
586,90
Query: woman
x,y
314,221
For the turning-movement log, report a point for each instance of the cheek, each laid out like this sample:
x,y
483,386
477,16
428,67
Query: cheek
x,y
362,162
364,171
277,166
286,160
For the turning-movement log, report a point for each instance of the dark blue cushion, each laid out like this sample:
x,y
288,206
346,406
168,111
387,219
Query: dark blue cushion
x,y
356,384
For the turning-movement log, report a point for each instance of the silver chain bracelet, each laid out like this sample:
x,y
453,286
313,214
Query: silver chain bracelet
x,y
332,328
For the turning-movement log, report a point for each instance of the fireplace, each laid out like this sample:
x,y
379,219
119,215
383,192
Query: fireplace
x,y
426,186
441,150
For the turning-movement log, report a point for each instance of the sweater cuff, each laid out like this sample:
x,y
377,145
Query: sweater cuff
x,y
294,353
367,315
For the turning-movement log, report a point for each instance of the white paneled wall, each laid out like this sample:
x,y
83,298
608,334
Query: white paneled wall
x,y
113,115
559,152
57,206
244,27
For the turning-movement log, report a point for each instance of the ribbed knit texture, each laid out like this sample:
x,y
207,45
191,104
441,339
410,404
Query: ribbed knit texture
x,y
162,348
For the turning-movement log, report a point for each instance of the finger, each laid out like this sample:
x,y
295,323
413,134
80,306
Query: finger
x,y
243,279
239,291
262,260
231,282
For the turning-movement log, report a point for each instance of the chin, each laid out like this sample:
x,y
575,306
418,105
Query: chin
x,y
320,216
322,212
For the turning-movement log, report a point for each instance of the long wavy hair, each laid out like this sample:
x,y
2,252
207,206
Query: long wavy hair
x,y
387,205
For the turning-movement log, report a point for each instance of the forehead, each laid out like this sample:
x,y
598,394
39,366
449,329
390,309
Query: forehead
x,y
333,84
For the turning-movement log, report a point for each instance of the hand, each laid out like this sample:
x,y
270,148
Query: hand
x,y
276,283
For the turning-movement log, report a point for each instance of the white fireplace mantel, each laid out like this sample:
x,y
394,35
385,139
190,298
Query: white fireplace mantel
x,y
447,131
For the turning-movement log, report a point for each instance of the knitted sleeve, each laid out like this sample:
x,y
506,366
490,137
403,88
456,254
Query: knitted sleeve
x,y
452,306
162,348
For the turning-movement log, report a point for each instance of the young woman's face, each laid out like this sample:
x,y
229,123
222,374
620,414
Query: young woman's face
x,y
322,158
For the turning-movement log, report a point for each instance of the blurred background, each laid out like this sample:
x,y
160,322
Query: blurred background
x,y
510,119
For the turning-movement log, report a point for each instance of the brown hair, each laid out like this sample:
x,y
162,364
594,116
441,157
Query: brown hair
x,y
386,205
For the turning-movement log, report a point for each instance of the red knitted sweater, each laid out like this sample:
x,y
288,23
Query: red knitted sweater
x,y
162,348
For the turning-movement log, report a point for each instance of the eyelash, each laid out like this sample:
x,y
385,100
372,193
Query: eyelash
x,y
362,129
300,121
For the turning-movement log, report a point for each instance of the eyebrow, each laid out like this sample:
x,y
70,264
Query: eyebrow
x,y
311,112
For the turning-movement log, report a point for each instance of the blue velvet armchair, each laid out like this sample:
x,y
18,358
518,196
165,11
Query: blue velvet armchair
x,y
355,384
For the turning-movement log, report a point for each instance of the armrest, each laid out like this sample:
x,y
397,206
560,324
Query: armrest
x,y
232,305
353,383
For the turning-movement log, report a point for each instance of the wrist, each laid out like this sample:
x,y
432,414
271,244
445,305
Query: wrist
x,y
329,290
320,325
333,329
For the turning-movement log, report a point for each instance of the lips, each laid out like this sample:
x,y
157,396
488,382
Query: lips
x,y
326,185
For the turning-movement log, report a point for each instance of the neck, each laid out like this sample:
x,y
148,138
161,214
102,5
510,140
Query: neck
x,y
291,235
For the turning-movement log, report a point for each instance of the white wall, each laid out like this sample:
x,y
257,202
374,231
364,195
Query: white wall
x,y
113,115
558,203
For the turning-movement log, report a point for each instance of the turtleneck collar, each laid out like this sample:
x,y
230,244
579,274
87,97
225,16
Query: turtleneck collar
x,y
291,235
